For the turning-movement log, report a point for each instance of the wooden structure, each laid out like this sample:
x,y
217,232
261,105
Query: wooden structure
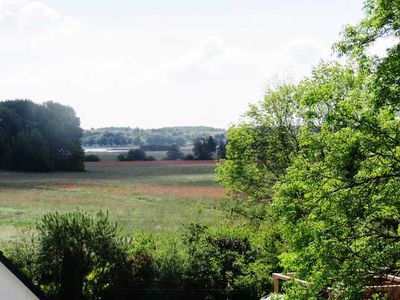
x,y
388,284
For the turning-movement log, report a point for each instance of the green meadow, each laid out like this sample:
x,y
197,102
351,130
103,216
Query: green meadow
x,y
152,198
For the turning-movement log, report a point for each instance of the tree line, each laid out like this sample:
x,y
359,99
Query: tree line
x,y
204,148
126,136
36,137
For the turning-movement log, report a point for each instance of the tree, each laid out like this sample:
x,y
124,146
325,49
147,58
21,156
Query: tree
x,y
221,150
174,153
260,149
332,179
39,137
204,147
340,200
30,152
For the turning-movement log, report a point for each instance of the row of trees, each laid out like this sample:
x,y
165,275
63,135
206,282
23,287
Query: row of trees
x,y
204,148
180,136
318,162
37,137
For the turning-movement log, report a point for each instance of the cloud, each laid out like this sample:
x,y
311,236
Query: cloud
x,y
304,51
212,59
298,57
27,17
26,12
133,77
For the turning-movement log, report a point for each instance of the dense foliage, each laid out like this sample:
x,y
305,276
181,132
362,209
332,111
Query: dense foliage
x,y
124,136
321,159
204,147
133,155
174,153
73,255
80,256
37,137
314,169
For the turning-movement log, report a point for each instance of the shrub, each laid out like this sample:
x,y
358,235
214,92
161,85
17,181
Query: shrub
x,y
75,256
188,157
92,157
78,253
226,263
174,153
136,155
150,158
132,155
121,157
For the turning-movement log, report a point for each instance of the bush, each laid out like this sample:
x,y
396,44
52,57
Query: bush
x,y
136,155
92,157
227,262
174,153
188,157
133,155
121,157
74,255
150,158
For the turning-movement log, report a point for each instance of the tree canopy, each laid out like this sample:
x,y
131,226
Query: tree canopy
x,y
326,170
204,147
174,153
167,136
37,137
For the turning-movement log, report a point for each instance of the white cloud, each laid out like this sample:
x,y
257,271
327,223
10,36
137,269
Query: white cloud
x,y
27,18
298,56
133,77
211,60
26,12
304,51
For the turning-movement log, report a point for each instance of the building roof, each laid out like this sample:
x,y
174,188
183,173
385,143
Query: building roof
x,y
21,277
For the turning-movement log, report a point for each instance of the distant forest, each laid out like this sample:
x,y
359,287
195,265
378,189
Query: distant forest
x,y
126,136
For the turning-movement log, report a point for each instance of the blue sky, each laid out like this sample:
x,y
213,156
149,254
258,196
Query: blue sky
x,y
162,63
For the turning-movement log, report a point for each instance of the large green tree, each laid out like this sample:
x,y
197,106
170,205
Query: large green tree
x,y
259,150
337,198
37,137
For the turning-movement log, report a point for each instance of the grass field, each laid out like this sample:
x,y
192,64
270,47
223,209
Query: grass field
x,y
155,197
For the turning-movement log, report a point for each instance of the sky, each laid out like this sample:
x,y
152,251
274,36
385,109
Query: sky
x,y
158,63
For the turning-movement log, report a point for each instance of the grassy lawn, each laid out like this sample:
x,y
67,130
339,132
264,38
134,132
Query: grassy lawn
x,y
148,198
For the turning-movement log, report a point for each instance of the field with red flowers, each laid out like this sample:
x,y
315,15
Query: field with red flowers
x,y
142,196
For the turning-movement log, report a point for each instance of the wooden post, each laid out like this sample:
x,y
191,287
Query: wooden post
x,y
276,285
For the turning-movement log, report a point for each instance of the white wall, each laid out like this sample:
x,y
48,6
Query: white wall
x,y
11,288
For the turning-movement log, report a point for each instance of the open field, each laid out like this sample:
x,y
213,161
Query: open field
x,y
152,197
